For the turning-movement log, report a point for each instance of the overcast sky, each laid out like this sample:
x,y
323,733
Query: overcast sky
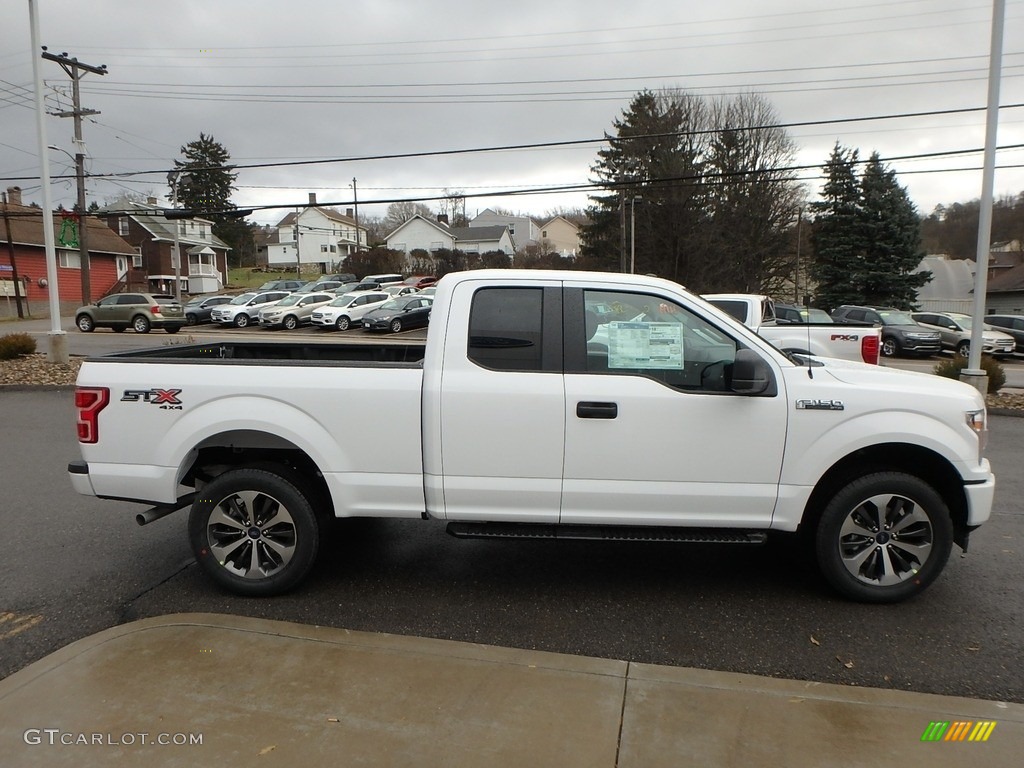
x,y
313,80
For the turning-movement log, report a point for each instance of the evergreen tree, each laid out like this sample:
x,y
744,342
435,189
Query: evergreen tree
x,y
837,235
866,236
206,180
891,230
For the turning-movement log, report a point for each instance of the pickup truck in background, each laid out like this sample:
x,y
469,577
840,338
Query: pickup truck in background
x,y
544,404
859,342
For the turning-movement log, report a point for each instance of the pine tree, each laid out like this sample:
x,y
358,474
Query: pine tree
x,y
206,180
837,235
892,239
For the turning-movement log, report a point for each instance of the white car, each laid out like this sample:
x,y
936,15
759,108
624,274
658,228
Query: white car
x,y
397,291
294,310
348,310
245,308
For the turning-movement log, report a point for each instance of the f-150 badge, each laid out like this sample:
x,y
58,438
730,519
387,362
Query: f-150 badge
x,y
167,399
820,405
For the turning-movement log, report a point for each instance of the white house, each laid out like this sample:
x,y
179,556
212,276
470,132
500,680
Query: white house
x,y
431,235
326,238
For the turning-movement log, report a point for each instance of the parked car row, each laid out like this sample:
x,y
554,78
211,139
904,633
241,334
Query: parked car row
x,y
277,303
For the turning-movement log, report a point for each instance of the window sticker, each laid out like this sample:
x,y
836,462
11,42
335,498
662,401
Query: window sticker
x,y
645,345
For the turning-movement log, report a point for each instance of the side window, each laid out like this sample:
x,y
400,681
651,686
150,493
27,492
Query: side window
x,y
505,328
857,315
644,335
130,298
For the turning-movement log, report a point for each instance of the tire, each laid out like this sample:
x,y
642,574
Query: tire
x,y
883,538
141,324
254,532
343,323
191,319
291,323
396,325
85,324
963,349
172,328
242,320
890,347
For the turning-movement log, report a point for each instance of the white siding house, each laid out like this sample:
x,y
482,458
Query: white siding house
x,y
326,237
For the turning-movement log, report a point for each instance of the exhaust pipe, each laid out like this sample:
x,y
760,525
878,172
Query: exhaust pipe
x,y
163,510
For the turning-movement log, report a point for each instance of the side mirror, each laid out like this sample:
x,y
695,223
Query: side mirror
x,y
750,374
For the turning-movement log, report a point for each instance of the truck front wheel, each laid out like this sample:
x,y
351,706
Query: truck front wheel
x,y
254,532
884,537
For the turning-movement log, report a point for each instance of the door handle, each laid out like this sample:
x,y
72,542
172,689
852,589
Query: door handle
x,y
590,410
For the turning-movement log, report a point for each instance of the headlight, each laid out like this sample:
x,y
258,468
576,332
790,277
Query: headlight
x,y
978,421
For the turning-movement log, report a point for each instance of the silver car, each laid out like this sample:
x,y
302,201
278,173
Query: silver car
x,y
293,310
955,328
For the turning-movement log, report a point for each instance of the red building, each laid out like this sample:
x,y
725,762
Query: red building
x,y
109,255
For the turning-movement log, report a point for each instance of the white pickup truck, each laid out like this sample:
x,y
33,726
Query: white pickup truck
x,y
850,341
543,404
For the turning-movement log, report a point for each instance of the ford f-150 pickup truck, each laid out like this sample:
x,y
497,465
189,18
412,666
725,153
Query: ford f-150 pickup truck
x,y
543,404
853,341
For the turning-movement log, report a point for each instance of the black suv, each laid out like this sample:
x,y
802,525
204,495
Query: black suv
x,y
901,334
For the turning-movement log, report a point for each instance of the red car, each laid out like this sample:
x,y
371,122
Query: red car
x,y
420,281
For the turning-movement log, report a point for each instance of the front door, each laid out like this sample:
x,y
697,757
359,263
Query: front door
x,y
653,436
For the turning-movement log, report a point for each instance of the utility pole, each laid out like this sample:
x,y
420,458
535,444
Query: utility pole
x,y
76,71
298,257
355,203
10,254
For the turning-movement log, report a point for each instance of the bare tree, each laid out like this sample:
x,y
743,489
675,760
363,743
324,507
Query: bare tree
x,y
399,213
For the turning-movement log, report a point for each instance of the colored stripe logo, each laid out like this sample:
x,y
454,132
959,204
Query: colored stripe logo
x,y
958,730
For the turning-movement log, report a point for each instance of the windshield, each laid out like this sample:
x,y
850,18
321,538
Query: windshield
x,y
343,301
268,286
243,299
196,301
393,304
289,300
964,321
896,317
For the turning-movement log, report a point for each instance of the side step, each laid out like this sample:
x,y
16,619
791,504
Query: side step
x,y
463,530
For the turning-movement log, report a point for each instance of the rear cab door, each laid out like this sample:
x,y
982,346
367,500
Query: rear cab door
x,y
494,403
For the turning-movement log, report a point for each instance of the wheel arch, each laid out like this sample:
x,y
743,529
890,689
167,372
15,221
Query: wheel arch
x,y
256,449
916,460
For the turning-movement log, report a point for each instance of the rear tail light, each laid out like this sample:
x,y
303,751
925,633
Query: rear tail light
x,y
869,349
155,309
89,401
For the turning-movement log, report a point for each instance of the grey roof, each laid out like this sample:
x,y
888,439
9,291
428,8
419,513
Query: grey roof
x,y
478,233
951,278
151,218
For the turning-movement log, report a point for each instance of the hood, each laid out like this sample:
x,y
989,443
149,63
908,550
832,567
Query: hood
x,y
880,376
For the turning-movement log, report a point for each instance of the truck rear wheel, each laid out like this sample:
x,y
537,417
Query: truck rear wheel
x,y
254,532
884,537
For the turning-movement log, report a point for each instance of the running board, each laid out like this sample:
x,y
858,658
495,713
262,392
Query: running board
x,y
605,533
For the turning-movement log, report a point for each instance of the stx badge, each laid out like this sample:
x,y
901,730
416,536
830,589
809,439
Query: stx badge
x,y
165,398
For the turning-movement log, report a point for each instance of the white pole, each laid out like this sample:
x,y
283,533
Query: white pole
x,y
177,240
973,373
58,352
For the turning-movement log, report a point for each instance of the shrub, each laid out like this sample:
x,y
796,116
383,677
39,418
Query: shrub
x,y
951,370
14,345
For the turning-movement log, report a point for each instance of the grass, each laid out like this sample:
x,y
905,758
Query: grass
x,y
245,278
